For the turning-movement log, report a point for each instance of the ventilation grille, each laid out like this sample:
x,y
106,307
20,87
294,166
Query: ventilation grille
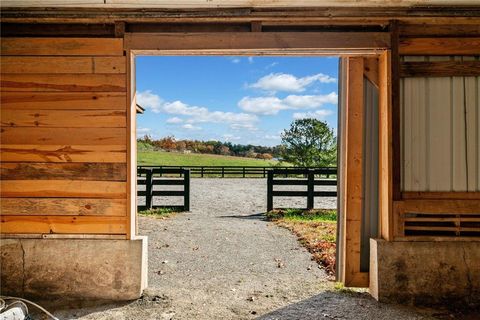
x,y
444,224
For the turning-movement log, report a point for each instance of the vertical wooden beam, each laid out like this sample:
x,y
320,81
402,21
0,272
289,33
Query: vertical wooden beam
x,y
385,150
353,171
132,227
395,93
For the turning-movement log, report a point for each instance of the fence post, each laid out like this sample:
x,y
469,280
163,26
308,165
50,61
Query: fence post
x,y
223,172
311,190
186,190
201,172
270,190
244,172
148,189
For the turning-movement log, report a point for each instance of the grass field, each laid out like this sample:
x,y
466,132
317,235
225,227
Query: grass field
x,y
196,159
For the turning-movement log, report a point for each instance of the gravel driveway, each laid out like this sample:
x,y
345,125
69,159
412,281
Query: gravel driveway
x,y
223,261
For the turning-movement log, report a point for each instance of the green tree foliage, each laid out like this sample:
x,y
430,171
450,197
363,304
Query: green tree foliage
x,y
309,143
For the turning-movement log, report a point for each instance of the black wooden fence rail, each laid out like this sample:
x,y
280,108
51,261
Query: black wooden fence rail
x,y
153,178
239,171
310,182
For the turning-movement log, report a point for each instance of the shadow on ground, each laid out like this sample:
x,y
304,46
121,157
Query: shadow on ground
x,y
346,304
256,216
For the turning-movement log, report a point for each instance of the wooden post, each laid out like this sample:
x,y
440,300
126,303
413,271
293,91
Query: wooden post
x,y
223,172
201,172
186,190
149,189
311,190
244,172
270,190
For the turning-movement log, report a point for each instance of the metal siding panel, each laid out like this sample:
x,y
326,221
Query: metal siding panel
x,y
459,156
439,139
440,142
414,138
459,164
440,132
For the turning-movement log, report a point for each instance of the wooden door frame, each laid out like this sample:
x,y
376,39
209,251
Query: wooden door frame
x,y
343,44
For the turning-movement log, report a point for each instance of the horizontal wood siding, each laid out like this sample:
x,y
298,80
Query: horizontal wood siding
x,y
63,100
441,140
63,129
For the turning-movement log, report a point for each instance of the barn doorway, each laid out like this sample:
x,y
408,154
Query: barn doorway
x,y
362,83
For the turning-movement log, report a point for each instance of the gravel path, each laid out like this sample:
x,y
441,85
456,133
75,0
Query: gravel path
x,y
223,261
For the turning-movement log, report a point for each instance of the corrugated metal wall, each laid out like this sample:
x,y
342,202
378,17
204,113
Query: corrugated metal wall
x,y
440,131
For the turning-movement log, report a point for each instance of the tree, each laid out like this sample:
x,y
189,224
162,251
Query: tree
x,y
309,143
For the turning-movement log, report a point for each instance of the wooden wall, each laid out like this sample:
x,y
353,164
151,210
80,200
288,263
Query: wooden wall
x,y
63,136
440,136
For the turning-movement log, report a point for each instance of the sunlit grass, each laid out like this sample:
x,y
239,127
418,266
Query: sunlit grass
x,y
197,159
159,213
316,230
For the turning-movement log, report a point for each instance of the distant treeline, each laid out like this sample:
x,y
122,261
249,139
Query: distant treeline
x,y
210,147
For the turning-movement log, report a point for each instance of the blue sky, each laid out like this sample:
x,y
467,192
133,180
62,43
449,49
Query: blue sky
x,y
247,100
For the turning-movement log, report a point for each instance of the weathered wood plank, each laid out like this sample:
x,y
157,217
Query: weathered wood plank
x,y
440,195
109,64
63,207
441,206
354,173
370,70
440,69
59,224
63,100
64,119
57,65
257,40
432,30
67,136
62,189
63,153
62,46
63,171
63,82
439,46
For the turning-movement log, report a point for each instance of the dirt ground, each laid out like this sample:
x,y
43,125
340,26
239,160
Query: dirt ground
x,y
222,260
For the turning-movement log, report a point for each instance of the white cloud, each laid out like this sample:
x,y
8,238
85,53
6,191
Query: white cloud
x,y
271,65
195,114
289,83
143,131
250,59
174,120
230,137
318,114
234,59
149,100
189,126
272,105
243,126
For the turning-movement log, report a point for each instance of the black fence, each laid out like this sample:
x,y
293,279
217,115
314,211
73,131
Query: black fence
x,y
151,177
235,171
276,177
